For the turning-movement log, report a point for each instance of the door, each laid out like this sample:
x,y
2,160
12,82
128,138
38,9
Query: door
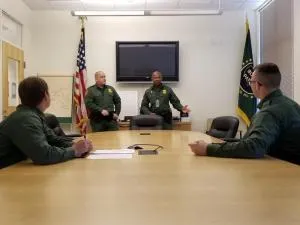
x,y
12,74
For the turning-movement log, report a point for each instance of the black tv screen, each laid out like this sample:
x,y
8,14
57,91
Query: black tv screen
x,y
137,60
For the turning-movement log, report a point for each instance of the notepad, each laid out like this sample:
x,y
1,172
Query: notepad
x,y
124,153
109,156
112,151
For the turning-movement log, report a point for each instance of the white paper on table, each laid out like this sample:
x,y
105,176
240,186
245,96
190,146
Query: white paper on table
x,y
109,156
113,151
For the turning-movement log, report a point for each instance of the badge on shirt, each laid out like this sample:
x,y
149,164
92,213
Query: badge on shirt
x,y
164,91
110,91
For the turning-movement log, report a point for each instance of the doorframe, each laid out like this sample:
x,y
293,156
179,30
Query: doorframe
x,y
17,54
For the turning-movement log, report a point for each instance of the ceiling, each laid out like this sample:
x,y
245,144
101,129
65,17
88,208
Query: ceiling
x,y
142,4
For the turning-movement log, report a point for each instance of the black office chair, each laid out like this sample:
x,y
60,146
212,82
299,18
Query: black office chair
x,y
224,127
53,123
146,122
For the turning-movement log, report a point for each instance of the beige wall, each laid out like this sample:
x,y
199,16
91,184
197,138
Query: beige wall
x,y
277,40
296,51
210,53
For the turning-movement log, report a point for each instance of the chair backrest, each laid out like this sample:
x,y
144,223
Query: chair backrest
x,y
53,123
146,122
224,127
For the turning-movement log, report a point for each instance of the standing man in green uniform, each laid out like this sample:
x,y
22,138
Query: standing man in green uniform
x,y
156,101
25,134
274,130
103,104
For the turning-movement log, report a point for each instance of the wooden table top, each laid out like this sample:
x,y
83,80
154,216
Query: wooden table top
x,y
171,188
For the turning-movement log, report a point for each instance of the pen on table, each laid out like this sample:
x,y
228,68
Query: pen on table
x,y
86,146
84,136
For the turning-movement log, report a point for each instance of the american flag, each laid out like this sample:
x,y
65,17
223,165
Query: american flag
x,y
80,80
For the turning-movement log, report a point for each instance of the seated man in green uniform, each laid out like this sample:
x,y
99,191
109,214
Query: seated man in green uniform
x,y
24,133
156,101
103,104
274,130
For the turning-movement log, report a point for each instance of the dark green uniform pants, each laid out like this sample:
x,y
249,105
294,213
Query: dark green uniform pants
x,y
167,123
104,125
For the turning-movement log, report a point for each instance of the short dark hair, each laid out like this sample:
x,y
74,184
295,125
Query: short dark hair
x,y
157,71
268,74
32,90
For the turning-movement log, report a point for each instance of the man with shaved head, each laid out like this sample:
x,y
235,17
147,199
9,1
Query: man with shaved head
x,y
103,104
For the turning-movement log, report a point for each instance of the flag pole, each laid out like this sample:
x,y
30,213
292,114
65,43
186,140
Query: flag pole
x,y
80,83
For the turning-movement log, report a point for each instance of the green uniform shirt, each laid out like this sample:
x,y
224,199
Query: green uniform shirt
x,y
274,130
156,100
106,98
25,134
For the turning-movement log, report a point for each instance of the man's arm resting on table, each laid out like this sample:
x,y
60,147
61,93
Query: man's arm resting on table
x,y
30,138
256,145
56,140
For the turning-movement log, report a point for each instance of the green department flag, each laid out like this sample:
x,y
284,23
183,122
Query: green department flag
x,y
247,101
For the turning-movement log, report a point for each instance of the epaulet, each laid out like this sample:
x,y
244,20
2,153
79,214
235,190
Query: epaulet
x,y
91,86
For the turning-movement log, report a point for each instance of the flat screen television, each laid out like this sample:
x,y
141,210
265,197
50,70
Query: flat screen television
x,y
137,60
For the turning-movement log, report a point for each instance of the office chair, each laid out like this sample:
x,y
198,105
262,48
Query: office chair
x,y
224,127
53,123
146,122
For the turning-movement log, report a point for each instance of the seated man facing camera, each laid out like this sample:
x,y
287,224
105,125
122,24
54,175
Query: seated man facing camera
x,y
25,134
274,130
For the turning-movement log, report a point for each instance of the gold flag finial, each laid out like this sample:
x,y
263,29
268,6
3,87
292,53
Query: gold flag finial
x,y
82,20
247,24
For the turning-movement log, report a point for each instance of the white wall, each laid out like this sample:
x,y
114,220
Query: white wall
x,y
19,11
210,53
296,51
277,41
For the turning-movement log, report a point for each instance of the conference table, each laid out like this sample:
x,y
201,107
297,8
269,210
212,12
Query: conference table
x,y
173,187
